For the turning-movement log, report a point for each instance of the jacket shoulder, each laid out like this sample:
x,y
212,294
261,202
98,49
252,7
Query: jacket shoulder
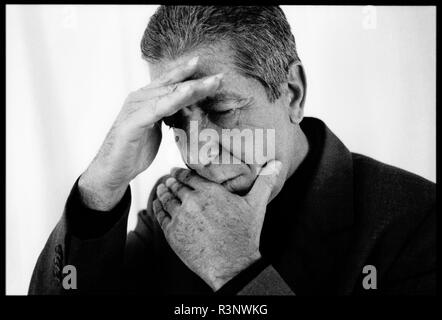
x,y
386,196
390,186
395,213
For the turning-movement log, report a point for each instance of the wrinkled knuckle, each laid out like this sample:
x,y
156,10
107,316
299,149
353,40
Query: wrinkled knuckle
x,y
168,197
163,198
186,203
187,199
188,89
173,184
192,203
184,175
171,88
177,187
156,206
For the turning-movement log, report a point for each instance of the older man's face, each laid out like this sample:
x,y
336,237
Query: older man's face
x,y
241,103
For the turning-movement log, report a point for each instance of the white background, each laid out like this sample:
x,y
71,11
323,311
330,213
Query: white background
x,y
371,78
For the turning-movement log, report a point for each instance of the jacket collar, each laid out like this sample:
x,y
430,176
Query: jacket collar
x,y
306,233
329,196
318,197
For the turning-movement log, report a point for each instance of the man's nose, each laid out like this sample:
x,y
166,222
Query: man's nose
x,y
203,139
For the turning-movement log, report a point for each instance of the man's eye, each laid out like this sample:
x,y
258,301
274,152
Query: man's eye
x,y
222,113
173,121
225,115
225,112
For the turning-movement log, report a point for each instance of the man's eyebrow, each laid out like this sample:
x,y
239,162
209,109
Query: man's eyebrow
x,y
224,95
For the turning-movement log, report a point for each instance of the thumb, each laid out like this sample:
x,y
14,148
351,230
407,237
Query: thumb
x,y
266,180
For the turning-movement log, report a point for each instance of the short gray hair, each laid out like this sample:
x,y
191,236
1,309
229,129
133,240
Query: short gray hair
x,y
260,37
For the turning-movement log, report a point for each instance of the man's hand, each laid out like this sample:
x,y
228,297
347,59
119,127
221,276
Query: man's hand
x,y
214,232
133,141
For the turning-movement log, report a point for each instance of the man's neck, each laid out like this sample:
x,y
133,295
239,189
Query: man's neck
x,y
300,152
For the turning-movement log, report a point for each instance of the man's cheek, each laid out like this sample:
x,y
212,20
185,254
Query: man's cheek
x,y
258,141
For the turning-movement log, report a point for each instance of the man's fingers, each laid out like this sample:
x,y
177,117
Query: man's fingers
x,y
167,83
179,189
186,94
191,179
177,74
168,200
141,95
162,217
176,97
144,94
263,186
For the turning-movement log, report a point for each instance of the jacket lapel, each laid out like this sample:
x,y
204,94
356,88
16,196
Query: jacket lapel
x,y
307,229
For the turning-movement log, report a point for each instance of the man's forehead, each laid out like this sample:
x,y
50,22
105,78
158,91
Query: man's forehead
x,y
212,61
209,63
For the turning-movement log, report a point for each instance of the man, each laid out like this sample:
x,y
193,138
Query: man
x,y
312,218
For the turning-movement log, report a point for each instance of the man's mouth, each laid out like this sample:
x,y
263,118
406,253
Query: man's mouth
x,y
238,180
225,182
232,187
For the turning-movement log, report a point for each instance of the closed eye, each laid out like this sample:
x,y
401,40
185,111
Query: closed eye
x,y
223,112
223,117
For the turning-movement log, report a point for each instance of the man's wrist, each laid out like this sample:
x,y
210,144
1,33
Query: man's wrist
x,y
98,197
218,282
86,223
236,284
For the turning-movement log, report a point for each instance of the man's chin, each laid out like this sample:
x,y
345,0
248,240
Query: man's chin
x,y
238,180
239,185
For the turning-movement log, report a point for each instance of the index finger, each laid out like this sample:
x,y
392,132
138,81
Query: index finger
x,y
175,98
191,179
176,74
185,94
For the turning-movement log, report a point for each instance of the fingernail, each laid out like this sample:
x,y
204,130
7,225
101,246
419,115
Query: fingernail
x,y
170,181
213,79
192,62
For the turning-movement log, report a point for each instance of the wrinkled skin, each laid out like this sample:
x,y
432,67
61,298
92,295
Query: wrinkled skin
x,y
214,222
212,214
214,232
133,141
250,109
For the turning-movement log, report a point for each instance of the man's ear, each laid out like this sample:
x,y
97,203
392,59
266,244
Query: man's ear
x,y
297,86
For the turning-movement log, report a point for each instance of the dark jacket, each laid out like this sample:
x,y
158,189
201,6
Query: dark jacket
x,y
339,212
